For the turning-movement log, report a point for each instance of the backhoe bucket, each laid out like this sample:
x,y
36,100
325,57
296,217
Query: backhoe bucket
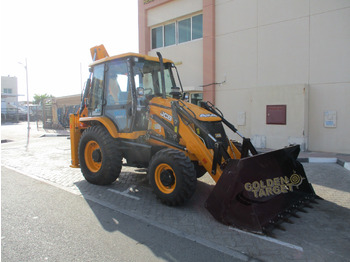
x,y
258,192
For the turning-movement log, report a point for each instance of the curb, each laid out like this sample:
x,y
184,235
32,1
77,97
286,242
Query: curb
x,y
329,160
344,164
54,135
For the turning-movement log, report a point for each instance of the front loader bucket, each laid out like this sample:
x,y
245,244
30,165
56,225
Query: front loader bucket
x,y
256,193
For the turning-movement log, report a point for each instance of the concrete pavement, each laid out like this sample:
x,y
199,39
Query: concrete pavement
x,y
320,235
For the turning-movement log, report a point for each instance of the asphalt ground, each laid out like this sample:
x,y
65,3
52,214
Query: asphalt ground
x,y
322,234
38,225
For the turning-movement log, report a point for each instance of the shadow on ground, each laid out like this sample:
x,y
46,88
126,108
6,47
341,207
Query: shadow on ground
x,y
143,228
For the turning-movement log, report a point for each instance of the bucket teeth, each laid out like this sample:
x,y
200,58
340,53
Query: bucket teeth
x,y
269,234
292,213
287,220
308,205
278,226
313,201
302,210
295,215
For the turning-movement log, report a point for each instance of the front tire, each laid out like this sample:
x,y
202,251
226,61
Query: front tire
x,y
172,176
99,157
200,170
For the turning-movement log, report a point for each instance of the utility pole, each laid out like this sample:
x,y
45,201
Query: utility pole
x,y
28,116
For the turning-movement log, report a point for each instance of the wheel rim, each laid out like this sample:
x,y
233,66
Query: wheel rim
x,y
93,162
165,178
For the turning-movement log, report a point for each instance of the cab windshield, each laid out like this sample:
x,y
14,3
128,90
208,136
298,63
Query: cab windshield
x,y
147,76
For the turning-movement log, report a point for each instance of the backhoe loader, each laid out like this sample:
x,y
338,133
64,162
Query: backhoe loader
x,y
133,110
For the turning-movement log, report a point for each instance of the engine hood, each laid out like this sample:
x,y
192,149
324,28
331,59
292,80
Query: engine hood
x,y
200,113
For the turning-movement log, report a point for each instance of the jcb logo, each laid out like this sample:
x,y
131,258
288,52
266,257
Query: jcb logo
x,y
166,116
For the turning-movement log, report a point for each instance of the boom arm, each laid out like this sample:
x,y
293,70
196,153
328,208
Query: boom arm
x,y
247,144
210,160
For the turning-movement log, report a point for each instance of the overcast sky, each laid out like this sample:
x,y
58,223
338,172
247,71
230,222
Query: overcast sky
x,y
56,37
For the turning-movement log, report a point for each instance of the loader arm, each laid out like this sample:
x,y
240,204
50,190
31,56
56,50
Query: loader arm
x,y
210,159
247,145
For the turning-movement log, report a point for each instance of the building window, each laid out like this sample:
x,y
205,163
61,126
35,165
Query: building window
x,y
197,27
7,90
157,37
169,34
180,31
185,30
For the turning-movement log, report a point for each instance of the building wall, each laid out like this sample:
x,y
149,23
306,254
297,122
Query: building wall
x,y
330,74
67,100
272,52
9,82
188,58
66,105
286,52
179,8
195,60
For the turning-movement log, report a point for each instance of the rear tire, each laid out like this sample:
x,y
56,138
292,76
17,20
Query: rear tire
x,y
172,176
100,160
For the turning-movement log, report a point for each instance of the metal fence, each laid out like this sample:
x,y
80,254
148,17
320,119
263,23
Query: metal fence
x,y
63,114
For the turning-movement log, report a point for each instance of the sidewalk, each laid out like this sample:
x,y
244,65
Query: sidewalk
x,y
38,131
18,131
321,157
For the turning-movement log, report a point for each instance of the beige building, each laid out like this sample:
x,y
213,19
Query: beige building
x,y
9,89
279,70
10,110
61,108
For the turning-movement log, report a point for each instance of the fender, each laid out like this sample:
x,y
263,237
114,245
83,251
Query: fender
x,y
112,129
105,121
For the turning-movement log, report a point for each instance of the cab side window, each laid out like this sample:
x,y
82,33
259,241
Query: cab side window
x,y
96,97
118,88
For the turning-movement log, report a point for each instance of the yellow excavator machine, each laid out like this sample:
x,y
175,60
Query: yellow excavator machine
x,y
133,108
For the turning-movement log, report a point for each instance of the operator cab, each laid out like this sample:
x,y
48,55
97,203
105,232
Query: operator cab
x,y
123,86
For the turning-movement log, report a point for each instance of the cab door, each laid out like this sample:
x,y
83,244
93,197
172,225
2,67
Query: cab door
x,y
96,97
118,95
